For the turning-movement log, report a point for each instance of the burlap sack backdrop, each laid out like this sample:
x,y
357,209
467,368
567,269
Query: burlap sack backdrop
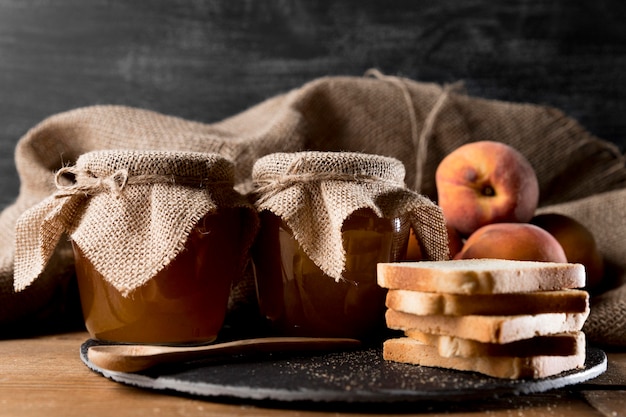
x,y
299,188
417,123
130,212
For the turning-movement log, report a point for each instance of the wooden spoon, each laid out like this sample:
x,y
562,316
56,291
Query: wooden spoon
x,y
133,358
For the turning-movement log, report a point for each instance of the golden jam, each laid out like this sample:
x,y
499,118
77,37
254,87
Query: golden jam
x,y
299,299
185,303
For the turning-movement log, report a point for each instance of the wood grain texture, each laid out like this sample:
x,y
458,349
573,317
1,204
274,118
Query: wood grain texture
x,y
206,60
45,376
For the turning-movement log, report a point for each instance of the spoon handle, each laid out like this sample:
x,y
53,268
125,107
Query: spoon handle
x,y
134,358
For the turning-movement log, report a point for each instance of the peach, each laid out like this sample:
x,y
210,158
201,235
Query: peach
x,y
414,251
577,241
455,242
486,182
517,241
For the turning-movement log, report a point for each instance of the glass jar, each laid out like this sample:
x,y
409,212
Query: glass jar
x,y
184,303
159,237
299,299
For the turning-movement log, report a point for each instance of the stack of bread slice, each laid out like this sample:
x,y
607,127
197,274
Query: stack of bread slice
x,y
506,319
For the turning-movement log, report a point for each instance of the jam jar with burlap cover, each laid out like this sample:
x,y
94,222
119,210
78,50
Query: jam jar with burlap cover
x,y
158,237
327,219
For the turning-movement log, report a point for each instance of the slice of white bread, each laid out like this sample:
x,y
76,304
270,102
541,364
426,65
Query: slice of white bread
x,y
563,344
536,302
488,329
407,350
480,276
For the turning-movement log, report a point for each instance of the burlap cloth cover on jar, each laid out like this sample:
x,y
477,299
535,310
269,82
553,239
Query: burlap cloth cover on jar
x,y
415,122
314,193
130,212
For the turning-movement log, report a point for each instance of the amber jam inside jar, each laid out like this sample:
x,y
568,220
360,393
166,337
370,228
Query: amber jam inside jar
x,y
185,303
299,299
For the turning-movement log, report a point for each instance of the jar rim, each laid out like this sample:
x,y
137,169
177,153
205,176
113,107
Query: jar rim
x,y
318,162
206,166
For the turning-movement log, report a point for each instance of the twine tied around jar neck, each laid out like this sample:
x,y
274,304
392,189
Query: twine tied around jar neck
x,y
270,187
87,184
298,174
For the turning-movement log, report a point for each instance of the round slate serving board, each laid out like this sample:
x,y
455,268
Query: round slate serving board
x,y
357,376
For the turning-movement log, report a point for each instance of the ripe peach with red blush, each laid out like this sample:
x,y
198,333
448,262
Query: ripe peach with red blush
x,y
455,241
414,251
516,241
577,241
486,182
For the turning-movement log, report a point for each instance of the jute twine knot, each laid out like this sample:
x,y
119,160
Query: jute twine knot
x,y
87,184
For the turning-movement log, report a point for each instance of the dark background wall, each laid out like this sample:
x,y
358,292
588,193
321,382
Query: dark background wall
x,y
206,60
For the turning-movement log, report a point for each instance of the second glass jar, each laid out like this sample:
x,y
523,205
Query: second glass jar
x,y
299,299
327,219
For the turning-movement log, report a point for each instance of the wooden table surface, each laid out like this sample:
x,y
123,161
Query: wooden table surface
x,y
45,376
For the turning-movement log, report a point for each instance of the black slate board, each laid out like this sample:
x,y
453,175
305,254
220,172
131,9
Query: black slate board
x,y
359,376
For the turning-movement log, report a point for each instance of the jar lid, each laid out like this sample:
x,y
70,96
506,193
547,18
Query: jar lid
x,y
315,192
129,211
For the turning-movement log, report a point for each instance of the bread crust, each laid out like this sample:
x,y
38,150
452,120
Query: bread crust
x,y
535,302
480,276
488,329
563,344
410,351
